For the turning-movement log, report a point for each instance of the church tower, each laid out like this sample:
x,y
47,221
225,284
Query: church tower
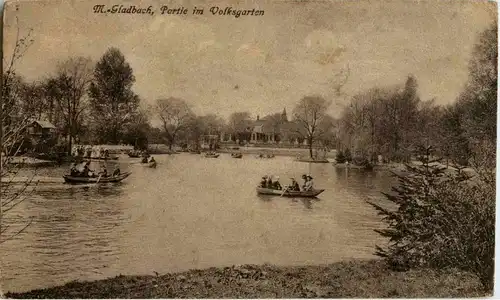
x,y
284,117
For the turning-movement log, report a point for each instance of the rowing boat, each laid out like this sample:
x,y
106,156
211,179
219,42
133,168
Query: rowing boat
x,y
236,155
73,179
102,158
265,156
288,193
211,155
151,164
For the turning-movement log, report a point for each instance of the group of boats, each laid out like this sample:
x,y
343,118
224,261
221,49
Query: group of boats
x,y
235,155
146,161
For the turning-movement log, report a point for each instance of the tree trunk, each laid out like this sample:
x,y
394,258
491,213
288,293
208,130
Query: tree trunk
x,y
70,143
70,136
310,140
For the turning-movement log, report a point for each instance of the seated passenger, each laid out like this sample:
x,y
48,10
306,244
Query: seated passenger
x,y
86,170
104,172
309,184
295,185
269,182
116,172
276,184
73,170
263,182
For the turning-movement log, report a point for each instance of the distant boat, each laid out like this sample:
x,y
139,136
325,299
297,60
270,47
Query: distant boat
x,y
236,155
288,193
313,160
211,155
134,154
265,156
151,164
77,179
101,158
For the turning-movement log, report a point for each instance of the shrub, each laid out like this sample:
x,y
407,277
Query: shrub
x,y
340,158
347,155
442,220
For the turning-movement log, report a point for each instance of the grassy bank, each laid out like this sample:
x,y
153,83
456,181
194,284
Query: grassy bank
x,y
360,279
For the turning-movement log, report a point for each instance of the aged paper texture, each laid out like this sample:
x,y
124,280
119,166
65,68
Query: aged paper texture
x,y
244,149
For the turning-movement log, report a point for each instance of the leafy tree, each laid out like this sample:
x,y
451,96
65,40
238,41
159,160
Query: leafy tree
x,y
340,158
454,144
347,155
479,98
239,124
113,103
274,122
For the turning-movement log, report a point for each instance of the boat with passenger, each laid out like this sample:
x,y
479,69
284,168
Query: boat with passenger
x,y
96,179
211,155
270,185
85,175
289,193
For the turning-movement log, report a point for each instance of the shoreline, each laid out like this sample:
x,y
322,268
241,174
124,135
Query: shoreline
x,y
357,278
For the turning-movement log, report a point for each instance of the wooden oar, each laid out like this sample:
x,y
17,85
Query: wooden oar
x,y
284,191
98,178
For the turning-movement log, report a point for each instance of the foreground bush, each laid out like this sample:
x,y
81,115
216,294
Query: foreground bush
x,y
442,220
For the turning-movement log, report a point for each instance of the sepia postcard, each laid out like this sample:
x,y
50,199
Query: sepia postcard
x,y
248,149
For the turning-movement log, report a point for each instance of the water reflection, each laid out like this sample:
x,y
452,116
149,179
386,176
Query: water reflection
x,y
190,212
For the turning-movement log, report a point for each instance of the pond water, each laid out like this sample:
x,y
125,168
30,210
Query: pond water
x,y
189,212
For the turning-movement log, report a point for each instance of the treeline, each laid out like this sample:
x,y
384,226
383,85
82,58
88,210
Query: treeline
x,y
93,103
309,122
444,218
87,102
394,121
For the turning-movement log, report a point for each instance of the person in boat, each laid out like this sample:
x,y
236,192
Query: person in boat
x,y
144,159
263,182
116,172
309,184
73,170
269,184
304,177
106,153
104,172
295,185
86,170
276,184
152,160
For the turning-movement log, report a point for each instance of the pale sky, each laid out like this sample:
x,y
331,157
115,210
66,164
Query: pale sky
x,y
274,59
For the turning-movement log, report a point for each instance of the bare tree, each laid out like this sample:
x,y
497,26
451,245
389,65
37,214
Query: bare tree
x,y
70,89
175,115
13,127
309,114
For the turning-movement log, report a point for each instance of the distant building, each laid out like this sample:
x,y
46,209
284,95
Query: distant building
x,y
271,129
41,129
42,135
